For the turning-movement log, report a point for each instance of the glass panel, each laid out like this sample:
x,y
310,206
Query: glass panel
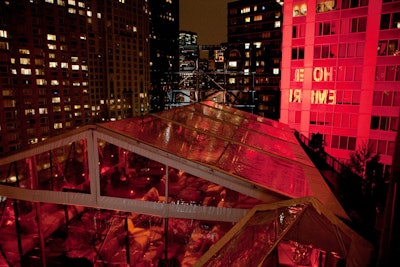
x,y
79,236
61,169
129,175
184,188
254,240
281,175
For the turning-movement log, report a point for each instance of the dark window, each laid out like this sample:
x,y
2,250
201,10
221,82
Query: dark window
x,y
372,144
384,124
385,21
394,123
387,98
352,143
396,20
335,141
391,147
382,146
343,142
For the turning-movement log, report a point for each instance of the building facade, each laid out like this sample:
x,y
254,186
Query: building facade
x,y
341,73
254,55
64,63
164,49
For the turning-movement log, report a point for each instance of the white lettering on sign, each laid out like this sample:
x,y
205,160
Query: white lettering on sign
x,y
320,74
323,97
326,96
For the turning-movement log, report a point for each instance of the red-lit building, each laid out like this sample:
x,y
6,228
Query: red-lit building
x,y
341,73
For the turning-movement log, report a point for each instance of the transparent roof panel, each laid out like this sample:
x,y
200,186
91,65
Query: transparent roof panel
x,y
253,148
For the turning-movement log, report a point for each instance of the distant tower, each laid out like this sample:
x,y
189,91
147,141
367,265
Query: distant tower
x,y
340,73
66,63
164,49
254,56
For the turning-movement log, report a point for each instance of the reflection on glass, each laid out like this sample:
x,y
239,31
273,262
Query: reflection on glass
x,y
61,169
129,175
83,236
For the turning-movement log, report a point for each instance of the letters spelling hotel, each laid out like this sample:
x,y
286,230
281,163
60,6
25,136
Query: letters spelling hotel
x,y
341,73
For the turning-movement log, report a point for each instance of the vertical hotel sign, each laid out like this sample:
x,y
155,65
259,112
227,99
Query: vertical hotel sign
x,y
320,96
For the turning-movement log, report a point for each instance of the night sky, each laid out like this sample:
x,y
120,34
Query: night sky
x,y
208,18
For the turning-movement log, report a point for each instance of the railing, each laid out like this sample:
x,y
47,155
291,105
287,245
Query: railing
x,y
334,164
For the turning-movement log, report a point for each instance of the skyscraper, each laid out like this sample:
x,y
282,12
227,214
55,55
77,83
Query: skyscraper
x,y
64,63
341,73
164,49
254,55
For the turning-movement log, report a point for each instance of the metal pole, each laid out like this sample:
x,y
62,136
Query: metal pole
x,y
128,256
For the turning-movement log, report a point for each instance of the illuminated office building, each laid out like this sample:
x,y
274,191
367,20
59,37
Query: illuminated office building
x,y
340,73
64,63
164,47
254,56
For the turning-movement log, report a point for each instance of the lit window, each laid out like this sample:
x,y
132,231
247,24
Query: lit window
x,y
247,19
232,64
71,2
55,100
24,61
257,45
41,82
53,64
42,110
75,67
50,1
81,4
24,51
89,13
29,111
74,59
39,71
247,46
61,2
245,10
72,10
26,71
54,82
51,37
52,46
99,15
277,24
3,34
275,71
232,81
64,65
52,55
58,125
258,18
